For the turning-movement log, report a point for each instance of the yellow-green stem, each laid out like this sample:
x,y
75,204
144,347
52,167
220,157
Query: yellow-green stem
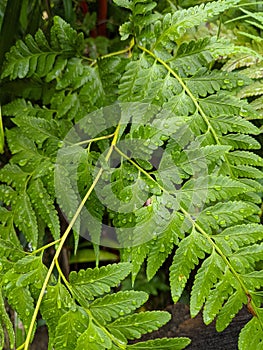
x,y
62,241
189,93
140,169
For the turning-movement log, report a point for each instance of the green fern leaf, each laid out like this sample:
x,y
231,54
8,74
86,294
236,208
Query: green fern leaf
x,y
217,296
163,244
204,82
245,258
250,337
190,250
9,254
19,298
246,171
190,56
25,219
69,328
161,344
22,108
39,129
175,25
223,124
14,175
245,158
67,197
222,104
230,309
240,141
132,327
225,214
93,282
32,271
36,56
56,303
44,206
232,238
5,324
210,272
254,89
209,189
253,279
94,338
119,304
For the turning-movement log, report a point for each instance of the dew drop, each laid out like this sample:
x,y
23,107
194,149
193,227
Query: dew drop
x,y
22,162
162,248
227,238
218,188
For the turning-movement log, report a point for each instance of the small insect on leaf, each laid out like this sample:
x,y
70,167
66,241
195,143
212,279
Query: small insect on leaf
x,y
148,202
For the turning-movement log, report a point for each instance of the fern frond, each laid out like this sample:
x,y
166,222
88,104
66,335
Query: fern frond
x,y
230,309
70,327
223,104
217,296
211,188
225,214
95,338
163,244
119,304
254,89
240,141
132,327
190,250
25,219
56,303
209,273
173,26
5,325
93,282
203,83
244,259
35,56
251,334
235,237
43,204
161,344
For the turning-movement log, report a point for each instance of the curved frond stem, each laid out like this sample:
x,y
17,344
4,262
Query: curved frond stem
x,y
120,52
45,247
111,336
189,93
63,240
117,53
93,140
61,274
139,168
231,268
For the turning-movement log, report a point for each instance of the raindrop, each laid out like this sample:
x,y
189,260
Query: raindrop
x,y
227,238
22,162
162,248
